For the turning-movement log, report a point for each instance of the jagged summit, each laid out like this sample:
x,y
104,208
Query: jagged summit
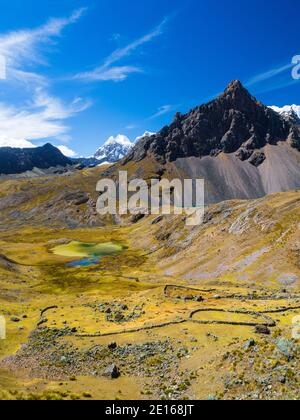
x,y
237,95
235,122
235,86
114,149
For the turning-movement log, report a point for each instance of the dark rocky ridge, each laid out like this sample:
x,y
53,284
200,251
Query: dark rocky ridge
x,y
16,161
235,122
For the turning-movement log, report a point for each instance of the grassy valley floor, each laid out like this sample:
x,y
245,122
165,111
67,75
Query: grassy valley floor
x,y
173,316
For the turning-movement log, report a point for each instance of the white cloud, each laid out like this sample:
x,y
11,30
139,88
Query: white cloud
x,y
116,74
10,142
54,109
165,109
131,127
120,53
21,48
107,71
26,78
67,151
276,78
268,74
277,85
42,118
119,139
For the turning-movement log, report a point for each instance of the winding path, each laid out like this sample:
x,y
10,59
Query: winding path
x,y
233,296
269,322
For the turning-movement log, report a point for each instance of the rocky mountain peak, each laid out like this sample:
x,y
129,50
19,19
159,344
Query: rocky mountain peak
x,y
235,87
235,122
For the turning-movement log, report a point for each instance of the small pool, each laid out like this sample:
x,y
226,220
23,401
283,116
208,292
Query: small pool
x,y
84,262
87,254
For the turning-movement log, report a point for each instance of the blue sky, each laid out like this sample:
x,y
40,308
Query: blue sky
x,y
79,71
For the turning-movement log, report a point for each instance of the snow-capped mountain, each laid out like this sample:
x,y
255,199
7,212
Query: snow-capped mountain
x,y
289,112
146,134
114,149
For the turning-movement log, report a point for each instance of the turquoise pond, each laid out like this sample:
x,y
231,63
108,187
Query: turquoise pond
x,y
87,254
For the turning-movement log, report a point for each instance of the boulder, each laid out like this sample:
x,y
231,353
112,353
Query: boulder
x,y
262,329
249,344
112,372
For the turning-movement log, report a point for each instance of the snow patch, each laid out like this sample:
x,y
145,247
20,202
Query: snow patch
x,y
146,134
287,110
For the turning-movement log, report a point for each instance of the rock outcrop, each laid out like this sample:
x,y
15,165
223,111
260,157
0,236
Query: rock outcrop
x,y
235,122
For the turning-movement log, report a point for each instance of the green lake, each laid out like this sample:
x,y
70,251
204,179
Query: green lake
x,y
87,254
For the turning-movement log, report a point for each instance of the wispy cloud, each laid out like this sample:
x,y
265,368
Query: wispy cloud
x,y
165,109
42,118
115,74
161,111
23,47
274,79
108,71
277,86
268,74
131,127
120,53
